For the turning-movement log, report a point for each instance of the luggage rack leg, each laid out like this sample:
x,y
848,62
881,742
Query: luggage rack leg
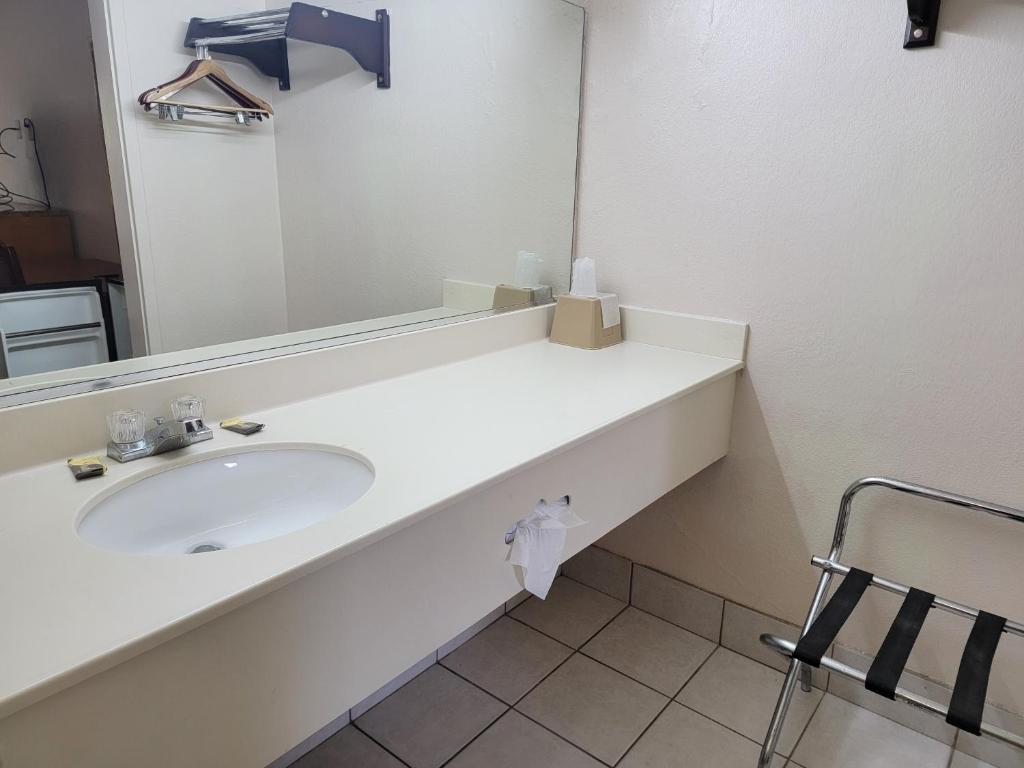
x,y
795,673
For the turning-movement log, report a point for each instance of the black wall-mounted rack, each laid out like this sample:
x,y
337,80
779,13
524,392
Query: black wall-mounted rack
x,y
262,38
922,23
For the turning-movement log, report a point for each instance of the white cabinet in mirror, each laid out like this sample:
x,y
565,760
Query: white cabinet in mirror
x,y
153,248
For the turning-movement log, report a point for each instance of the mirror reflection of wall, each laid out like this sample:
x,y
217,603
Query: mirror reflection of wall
x,y
468,159
354,209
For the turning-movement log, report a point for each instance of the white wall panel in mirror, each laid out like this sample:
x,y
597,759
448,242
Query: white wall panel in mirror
x,y
353,211
468,159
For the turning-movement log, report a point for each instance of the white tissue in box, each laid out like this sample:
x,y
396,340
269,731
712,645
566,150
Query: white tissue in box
x,y
539,543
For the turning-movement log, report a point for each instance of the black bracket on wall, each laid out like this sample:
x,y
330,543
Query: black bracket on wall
x,y
922,23
262,38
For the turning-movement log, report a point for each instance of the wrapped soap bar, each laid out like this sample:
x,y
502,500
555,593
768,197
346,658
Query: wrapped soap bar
x,y
88,467
241,426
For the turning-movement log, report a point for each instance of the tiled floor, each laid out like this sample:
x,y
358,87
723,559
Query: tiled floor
x,y
583,680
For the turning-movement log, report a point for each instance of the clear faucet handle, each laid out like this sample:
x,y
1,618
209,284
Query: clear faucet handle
x,y
126,427
187,408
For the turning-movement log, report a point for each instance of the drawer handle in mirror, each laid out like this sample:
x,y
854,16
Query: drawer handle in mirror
x,y
48,331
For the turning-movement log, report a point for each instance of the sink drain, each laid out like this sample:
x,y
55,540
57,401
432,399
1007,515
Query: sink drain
x,y
199,548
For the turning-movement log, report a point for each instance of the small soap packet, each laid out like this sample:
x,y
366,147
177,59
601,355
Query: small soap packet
x,y
241,426
90,466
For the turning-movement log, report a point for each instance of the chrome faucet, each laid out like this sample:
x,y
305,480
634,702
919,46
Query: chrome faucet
x,y
130,440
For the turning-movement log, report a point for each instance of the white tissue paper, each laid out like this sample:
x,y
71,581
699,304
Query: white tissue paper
x,y
527,270
584,278
539,542
610,315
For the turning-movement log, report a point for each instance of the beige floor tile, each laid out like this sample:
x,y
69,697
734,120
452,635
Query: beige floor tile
x,y
960,760
515,742
594,707
650,650
431,718
522,597
989,750
383,692
741,632
842,735
678,603
507,659
573,613
681,738
602,570
917,719
348,748
468,634
741,693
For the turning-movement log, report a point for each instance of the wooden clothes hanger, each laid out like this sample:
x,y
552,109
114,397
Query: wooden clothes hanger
x,y
206,69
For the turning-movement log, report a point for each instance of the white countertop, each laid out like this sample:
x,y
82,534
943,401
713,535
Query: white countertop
x,y
434,436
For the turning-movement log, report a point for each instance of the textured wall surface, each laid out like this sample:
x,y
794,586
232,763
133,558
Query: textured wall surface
x,y
790,165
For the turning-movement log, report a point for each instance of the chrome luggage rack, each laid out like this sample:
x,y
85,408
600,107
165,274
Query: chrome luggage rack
x,y
823,624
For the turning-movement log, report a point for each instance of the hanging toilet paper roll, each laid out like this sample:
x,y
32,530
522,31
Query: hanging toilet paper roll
x,y
538,542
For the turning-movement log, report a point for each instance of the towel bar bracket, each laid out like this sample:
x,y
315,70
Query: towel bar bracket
x,y
262,38
922,23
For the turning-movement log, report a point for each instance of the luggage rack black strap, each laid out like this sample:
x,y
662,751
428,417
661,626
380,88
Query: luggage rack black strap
x,y
968,702
823,631
885,671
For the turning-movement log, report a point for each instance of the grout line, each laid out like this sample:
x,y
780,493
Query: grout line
x,y
707,717
697,671
560,736
545,634
392,693
605,625
721,624
483,730
528,692
599,591
436,663
667,705
624,674
589,637
952,754
353,724
513,708
803,730
644,731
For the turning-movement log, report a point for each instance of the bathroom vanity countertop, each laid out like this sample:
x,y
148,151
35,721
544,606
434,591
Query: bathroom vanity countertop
x,y
434,436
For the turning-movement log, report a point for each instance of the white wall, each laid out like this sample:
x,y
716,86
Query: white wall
x,y
469,158
47,69
789,164
204,196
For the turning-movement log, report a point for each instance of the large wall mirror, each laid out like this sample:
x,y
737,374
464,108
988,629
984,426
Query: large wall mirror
x,y
137,243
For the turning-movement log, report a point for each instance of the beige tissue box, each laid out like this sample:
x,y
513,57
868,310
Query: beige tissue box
x,y
579,323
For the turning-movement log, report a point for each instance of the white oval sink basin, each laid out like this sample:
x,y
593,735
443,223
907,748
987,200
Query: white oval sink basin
x,y
226,501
